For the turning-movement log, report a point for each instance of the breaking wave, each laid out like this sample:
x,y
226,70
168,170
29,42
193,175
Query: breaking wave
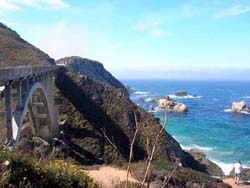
x,y
142,92
185,97
246,97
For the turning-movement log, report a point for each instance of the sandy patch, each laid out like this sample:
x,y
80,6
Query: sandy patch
x,y
231,181
108,176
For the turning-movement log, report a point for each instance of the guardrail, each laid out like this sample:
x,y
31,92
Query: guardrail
x,y
15,73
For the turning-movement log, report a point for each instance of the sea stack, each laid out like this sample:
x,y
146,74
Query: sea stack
x,y
169,104
240,107
181,93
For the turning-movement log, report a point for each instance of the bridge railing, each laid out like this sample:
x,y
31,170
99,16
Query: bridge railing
x,y
15,73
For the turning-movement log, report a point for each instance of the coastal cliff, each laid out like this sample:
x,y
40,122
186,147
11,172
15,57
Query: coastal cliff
x,y
97,122
104,107
92,69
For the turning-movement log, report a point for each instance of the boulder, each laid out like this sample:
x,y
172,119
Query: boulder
x,y
180,108
205,164
181,93
165,103
239,106
169,104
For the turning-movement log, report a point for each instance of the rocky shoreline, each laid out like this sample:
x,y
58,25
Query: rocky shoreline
x,y
209,166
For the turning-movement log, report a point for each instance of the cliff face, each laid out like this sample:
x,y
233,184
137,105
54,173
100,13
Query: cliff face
x,y
14,51
100,112
92,69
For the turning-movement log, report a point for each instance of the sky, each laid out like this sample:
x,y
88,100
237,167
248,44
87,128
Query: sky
x,y
153,39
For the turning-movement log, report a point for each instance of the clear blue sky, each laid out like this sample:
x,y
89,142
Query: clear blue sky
x,y
188,39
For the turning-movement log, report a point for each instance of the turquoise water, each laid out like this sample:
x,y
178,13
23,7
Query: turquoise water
x,y
223,136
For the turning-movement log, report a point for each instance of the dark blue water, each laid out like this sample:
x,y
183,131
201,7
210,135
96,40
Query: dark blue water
x,y
223,136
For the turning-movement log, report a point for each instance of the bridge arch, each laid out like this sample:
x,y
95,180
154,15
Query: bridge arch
x,y
36,96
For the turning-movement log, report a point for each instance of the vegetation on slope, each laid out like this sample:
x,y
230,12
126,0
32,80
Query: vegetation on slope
x,y
93,69
14,51
93,111
25,171
166,174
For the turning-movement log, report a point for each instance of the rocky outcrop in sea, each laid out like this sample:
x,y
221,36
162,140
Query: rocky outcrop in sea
x,y
240,107
170,105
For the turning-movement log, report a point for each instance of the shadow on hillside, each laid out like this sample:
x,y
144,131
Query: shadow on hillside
x,y
92,113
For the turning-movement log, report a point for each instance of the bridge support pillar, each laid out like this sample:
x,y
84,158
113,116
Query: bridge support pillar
x,y
27,84
9,114
19,95
49,87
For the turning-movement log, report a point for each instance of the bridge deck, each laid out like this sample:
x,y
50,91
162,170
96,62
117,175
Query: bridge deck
x,y
15,73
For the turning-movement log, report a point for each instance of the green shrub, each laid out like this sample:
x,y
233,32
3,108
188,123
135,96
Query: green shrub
x,y
24,171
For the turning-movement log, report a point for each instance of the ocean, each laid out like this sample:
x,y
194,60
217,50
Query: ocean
x,y
208,126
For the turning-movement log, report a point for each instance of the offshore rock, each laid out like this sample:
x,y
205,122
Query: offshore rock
x,y
165,103
181,93
240,107
169,104
180,108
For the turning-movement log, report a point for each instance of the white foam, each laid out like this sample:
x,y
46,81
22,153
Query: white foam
x,y
184,97
243,112
246,97
142,92
228,110
185,147
149,99
152,111
201,148
215,99
226,167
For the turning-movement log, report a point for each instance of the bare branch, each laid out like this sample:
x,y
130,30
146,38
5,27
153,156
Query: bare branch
x,y
153,150
131,149
105,135
166,181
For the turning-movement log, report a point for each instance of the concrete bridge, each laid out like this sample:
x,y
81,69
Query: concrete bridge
x,y
28,94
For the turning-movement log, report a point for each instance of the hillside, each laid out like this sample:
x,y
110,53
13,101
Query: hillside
x,y
92,69
91,111
14,51
88,106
